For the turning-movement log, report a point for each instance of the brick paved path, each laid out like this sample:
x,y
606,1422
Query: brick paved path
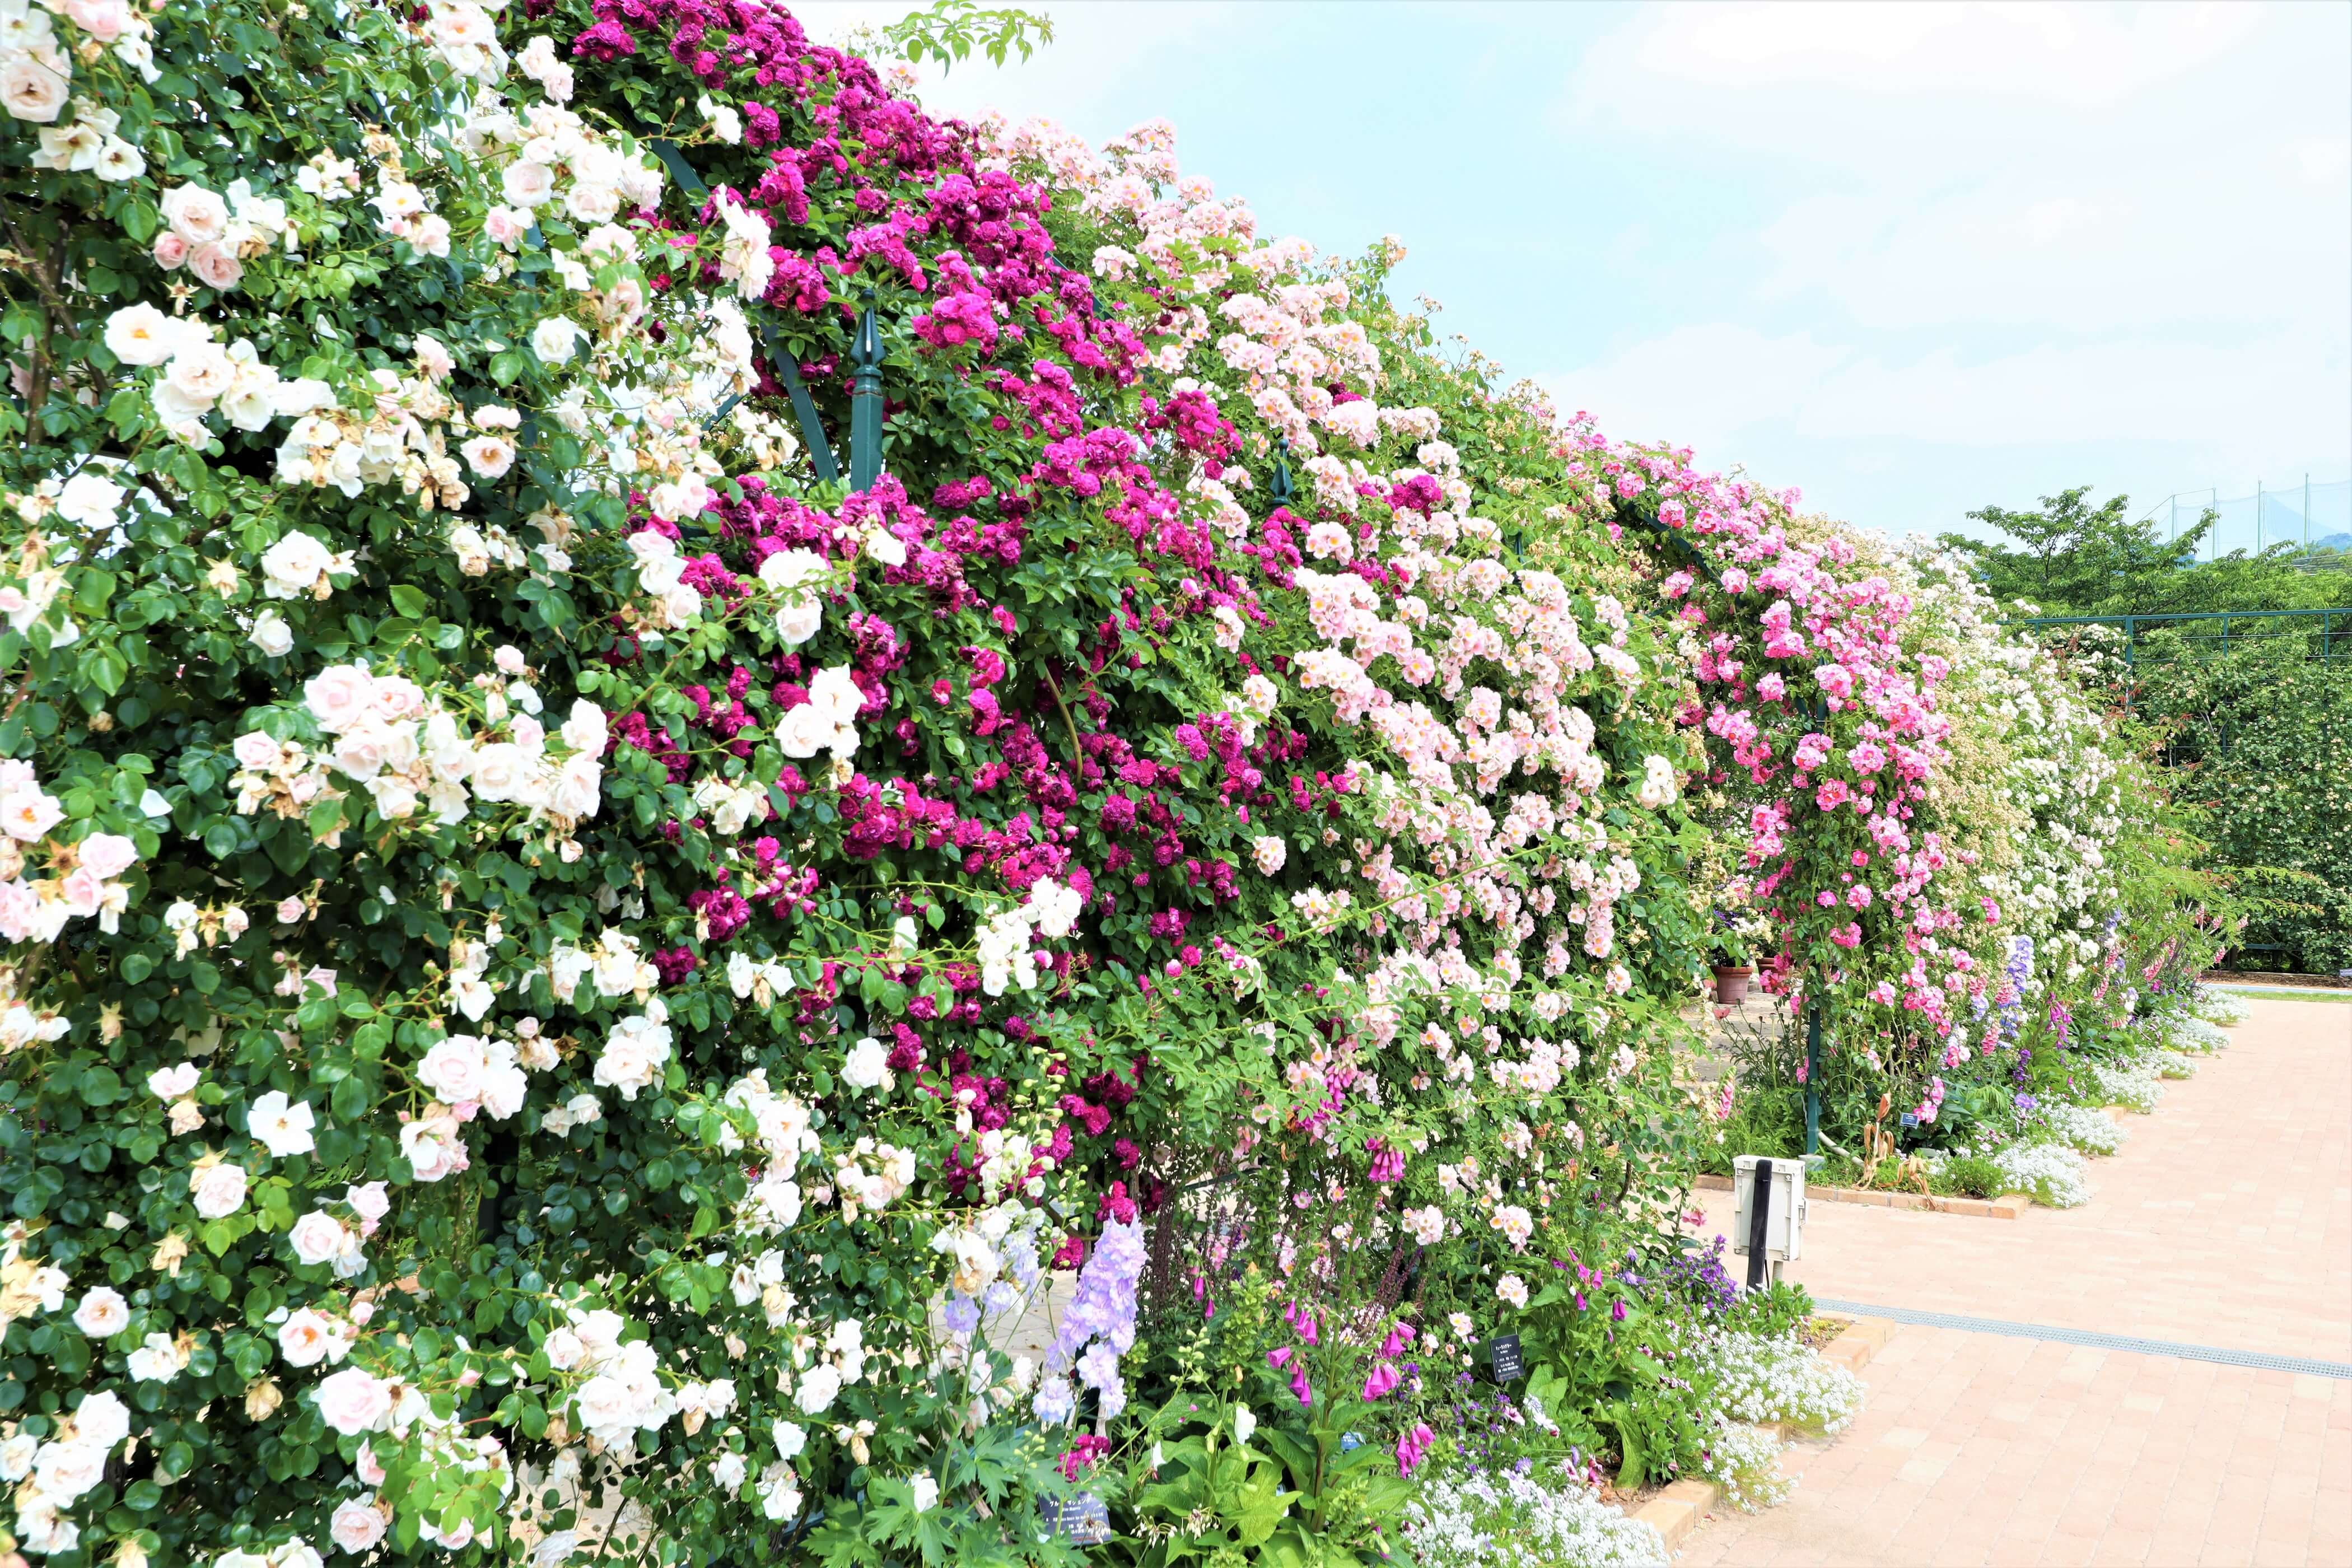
x,y
2225,1221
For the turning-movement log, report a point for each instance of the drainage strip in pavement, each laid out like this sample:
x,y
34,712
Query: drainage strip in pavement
x,y
2258,1359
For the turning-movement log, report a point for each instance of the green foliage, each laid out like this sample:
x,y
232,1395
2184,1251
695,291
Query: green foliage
x,y
1973,1174
951,29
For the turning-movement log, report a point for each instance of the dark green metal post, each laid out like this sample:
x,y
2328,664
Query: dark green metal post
x,y
1812,1076
866,402
1278,489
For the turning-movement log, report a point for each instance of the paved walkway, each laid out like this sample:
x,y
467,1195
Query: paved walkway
x,y
2226,1221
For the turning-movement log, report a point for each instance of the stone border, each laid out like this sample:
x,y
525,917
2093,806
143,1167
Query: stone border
x,y
1676,1512
2009,1206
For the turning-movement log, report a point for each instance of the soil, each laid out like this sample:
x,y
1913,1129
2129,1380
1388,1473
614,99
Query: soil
x,y
2259,977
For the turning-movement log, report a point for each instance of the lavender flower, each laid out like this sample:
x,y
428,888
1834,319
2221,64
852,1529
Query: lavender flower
x,y
1098,1328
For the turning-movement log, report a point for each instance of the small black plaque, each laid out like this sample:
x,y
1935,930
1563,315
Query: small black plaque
x,y
1084,1520
1503,1355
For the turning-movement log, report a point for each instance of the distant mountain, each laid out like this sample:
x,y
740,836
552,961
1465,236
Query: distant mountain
x,y
2333,541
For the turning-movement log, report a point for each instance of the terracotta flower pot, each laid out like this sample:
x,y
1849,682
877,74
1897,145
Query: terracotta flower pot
x,y
1731,982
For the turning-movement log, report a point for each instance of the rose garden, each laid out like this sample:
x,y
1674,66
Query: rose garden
x,y
741,826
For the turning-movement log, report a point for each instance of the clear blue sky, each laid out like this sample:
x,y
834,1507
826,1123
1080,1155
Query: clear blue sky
x,y
1911,258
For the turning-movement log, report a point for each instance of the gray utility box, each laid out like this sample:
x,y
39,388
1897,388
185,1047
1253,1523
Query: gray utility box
x,y
1784,1212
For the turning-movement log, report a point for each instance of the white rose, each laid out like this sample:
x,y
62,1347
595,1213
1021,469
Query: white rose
x,y
867,1066
432,1149
835,697
799,621
491,456
585,731
353,1401
90,500
499,771
554,339
103,1420
271,635
103,1313
218,1189
818,1386
305,1337
66,1470
142,335
789,1440
283,1126
528,184
578,785
292,566
803,732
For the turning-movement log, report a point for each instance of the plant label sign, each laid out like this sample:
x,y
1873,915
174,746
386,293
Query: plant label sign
x,y
1084,1520
1504,1356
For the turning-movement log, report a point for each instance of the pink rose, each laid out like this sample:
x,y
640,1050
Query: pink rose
x,y
101,19
338,695
215,267
170,250
453,1068
83,891
357,1525
353,1401
318,1236
108,855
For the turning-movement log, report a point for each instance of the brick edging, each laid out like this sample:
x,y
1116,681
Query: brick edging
x,y
2009,1206
1678,1511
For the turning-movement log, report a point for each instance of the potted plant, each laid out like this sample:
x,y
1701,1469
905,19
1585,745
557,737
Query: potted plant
x,y
1733,966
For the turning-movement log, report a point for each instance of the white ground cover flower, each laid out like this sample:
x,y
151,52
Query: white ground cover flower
x,y
2218,1007
1745,1462
2133,1086
2049,1173
2200,1032
2170,1063
1760,1380
2081,1128
1508,1520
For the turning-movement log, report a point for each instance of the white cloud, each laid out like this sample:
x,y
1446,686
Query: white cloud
x,y
1736,395
2079,54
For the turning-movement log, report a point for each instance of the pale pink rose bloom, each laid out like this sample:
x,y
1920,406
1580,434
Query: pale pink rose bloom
x,y
216,267
369,1472
256,749
31,90
355,1401
338,695
170,250
108,854
83,890
356,1526
318,1236
195,214
432,359
101,19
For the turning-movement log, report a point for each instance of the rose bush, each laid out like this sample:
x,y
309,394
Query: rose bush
x,y
568,965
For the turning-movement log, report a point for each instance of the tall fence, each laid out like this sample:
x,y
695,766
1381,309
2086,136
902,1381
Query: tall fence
x,y
2300,512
